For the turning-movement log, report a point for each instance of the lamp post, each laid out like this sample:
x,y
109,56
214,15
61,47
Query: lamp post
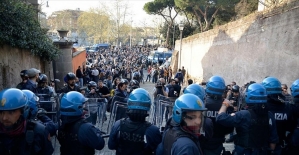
x,y
181,27
131,35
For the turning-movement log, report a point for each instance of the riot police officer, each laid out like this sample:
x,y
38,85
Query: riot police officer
x,y
134,135
75,135
18,135
36,113
215,88
24,77
282,111
294,142
233,97
255,127
33,77
70,78
199,91
182,137
93,109
43,87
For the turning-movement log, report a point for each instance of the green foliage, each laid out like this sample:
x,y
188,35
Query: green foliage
x,y
156,7
20,28
206,11
246,7
188,30
163,8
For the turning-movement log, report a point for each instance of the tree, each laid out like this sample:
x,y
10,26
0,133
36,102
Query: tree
x,y
246,7
118,11
165,8
20,28
188,30
95,23
201,9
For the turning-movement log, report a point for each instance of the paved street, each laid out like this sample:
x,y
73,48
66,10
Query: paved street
x,y
149,87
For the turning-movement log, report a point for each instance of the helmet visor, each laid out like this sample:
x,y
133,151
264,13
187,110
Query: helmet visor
x,y
193,122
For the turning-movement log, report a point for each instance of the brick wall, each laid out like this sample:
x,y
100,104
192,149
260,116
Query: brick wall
x,y
79,59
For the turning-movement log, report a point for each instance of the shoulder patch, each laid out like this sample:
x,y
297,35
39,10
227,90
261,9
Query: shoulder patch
x,y
199,103
3,101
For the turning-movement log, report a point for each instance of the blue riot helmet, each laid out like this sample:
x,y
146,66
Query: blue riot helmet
x,y
215,86
295,88
255,94
186,102
196,90
92,84
272,85
139,99
32,102
12,99
72,104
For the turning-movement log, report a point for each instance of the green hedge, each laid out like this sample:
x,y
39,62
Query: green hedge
x,y
20,28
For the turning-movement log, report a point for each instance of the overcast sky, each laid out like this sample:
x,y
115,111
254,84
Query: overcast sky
x,y
135,6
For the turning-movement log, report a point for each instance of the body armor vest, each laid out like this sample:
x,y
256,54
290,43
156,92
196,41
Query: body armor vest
x,y
131,136
213,106
282,117
172,135
258,133
68,139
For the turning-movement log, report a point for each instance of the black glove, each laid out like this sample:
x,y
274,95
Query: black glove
x,y
41,112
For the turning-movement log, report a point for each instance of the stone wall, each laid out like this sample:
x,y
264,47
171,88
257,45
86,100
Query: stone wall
x,y
259,45
13,61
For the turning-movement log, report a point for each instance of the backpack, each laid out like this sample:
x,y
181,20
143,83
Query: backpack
x,y
137,75
156,73
180,76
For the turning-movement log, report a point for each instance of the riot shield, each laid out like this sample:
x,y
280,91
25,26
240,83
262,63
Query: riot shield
x,y
119,99
161,110
120,111
117,110
95,111
164,110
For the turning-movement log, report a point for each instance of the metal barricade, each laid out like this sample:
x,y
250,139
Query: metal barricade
x,y
49,104
96,111
161,110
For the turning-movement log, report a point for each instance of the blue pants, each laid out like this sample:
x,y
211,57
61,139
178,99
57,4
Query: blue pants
x,y
81,82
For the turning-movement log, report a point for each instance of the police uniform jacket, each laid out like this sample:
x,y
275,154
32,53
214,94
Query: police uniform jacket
x,y
182,146
18,145
152,137
241,120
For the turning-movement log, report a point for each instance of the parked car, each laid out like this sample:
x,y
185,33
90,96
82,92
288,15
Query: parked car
x,y
98,47
166,64
160,57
